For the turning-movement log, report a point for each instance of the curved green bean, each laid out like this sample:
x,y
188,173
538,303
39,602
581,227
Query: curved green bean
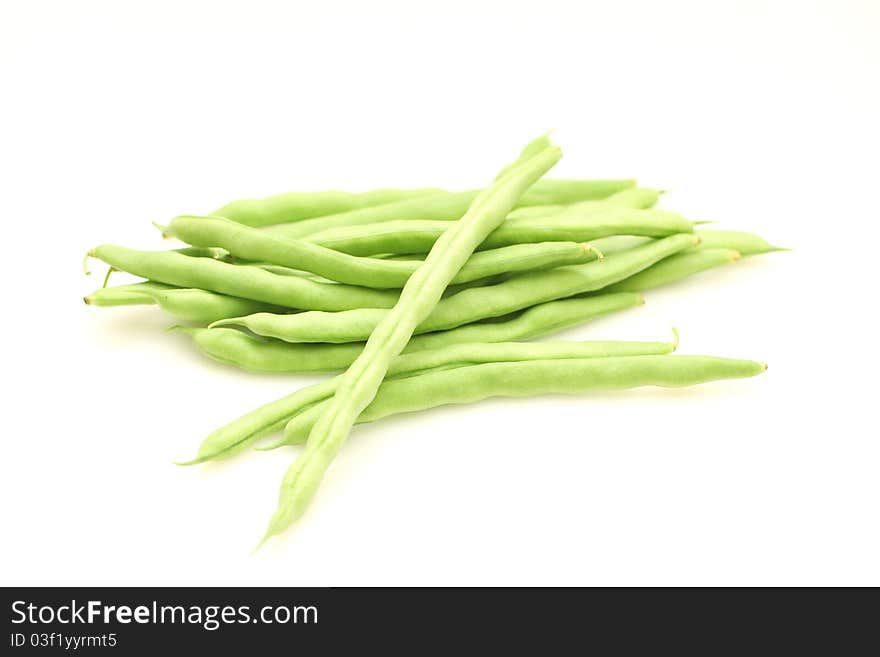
x,y
634,197
449,206
205,307
358,385
228,439
186,304
241,281
133,294
295,206
577,223
239,349
746,243
470,305
255,245
674,268
474,383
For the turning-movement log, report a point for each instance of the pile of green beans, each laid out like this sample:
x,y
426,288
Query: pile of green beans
x,y
421,297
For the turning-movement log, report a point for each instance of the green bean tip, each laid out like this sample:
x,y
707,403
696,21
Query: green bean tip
x,y
89,299
675,340
271,446
195,461
269,534
227,321
162,229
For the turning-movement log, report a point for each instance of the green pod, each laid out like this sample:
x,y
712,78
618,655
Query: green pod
x,y
229,439
239,349
535,211
634,197
420,295
473,304
241,281
577,223
675,268
296,206
254,245
619,243
747,244
204,307
449,206
133,294
465,385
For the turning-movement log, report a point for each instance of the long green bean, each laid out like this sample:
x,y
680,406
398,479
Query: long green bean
x,y
464,385
241,281
228,439
515,293
296,206
357,387
449,206
255,245
239,349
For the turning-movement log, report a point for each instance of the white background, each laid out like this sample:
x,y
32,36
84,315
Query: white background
x,y
762,115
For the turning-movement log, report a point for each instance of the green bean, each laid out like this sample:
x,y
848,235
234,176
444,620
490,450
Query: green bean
x,y
228,439
254,245
635,197
133,294
239,349
674,268
517,292
203,252
204,307
357,387
241,281
186,304
531,212
746,243
295,206
577,223
474,383
449,206
619,243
